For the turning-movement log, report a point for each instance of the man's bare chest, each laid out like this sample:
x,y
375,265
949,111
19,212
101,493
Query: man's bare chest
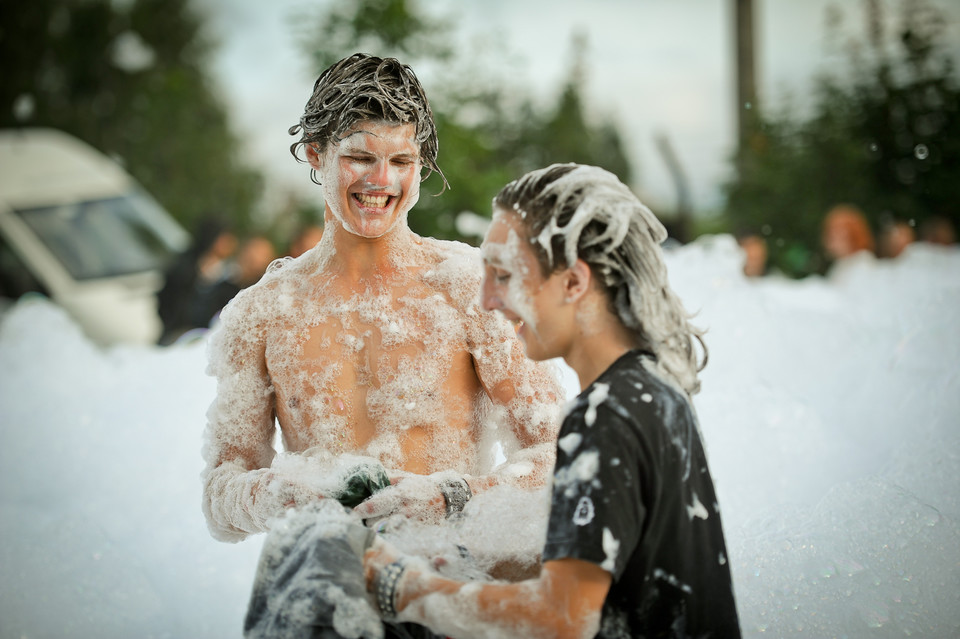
x,y
368,366
403,346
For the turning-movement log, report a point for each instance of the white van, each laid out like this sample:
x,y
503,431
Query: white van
x,y
74,226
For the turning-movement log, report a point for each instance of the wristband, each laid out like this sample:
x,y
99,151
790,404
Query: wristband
x,y
456,494
386,589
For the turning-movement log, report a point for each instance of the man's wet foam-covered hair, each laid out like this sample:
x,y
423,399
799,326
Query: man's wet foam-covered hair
x,y
363,87
571,212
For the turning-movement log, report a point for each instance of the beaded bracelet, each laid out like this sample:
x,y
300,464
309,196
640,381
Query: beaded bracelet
x,y
456,494
386,588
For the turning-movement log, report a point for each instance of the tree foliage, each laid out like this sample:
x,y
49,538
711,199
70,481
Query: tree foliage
x,y
391,28
130,79
489,129
886,138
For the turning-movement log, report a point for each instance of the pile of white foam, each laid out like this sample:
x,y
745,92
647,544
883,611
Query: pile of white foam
x,y
831,413
830,409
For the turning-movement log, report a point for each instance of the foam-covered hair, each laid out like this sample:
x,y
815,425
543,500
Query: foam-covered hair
x,y
571,212
363,87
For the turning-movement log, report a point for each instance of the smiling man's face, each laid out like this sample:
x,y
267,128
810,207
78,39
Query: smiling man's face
x,y
371,178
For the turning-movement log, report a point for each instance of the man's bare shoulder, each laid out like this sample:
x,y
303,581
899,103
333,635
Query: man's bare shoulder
x,y
457,273
454,268
270,298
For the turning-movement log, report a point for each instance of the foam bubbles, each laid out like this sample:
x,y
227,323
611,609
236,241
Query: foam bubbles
x,y
570,442
582,470
396,366
828,409
611,547
471,545
830,439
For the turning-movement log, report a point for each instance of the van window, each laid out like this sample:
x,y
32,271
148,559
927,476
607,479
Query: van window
x,y
106,238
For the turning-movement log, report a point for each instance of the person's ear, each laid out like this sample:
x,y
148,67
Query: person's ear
x,y
577,281
313,156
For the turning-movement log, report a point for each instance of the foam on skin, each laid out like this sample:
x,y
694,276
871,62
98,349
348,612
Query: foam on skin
x,y
366,372
507,257
375,161
515,275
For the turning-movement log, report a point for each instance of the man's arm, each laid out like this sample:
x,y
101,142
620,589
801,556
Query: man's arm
x,y
245,482
528,396
238,446
564,601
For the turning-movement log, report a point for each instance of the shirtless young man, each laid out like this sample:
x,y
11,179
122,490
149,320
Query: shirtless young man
x,y
371,347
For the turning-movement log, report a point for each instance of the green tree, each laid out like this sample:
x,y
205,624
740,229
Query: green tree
x,y
390,28
566,135
489,130
886,138
130,79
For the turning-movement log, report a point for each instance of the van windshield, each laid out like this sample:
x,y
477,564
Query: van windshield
x,y
107,238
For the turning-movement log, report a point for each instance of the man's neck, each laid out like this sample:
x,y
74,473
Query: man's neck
x,y
360,258
600,343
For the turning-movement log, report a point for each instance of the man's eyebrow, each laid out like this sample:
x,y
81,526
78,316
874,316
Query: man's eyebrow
x,y
404,154
492,253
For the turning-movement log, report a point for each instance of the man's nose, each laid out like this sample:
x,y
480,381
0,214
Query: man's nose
x,y
489,300
380,175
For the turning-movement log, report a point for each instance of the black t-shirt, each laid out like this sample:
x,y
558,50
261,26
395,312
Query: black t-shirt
x,y
632,494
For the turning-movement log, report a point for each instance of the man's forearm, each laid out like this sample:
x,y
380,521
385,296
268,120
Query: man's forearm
x,y
453,608
524,610
230,504
238,502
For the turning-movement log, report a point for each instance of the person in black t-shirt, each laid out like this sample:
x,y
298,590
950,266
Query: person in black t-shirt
x,y
634,545
646,511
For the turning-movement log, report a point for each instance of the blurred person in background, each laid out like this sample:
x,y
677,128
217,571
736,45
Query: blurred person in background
x,y
191,274
845,232
895,236
754,247
938,230
253,258
305,239
245,269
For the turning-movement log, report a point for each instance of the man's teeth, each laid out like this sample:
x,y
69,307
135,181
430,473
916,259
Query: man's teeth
x,y
376,201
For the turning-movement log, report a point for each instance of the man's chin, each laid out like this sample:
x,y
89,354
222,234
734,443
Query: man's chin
x,y
377,225
532,352
371,230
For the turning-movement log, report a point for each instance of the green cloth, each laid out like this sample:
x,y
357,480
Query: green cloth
x,y
361,482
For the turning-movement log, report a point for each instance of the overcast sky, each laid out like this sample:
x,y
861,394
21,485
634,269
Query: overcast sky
x,y
655,66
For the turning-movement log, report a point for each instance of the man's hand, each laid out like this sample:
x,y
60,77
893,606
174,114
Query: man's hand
x,y
409,496
286,491
379,554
